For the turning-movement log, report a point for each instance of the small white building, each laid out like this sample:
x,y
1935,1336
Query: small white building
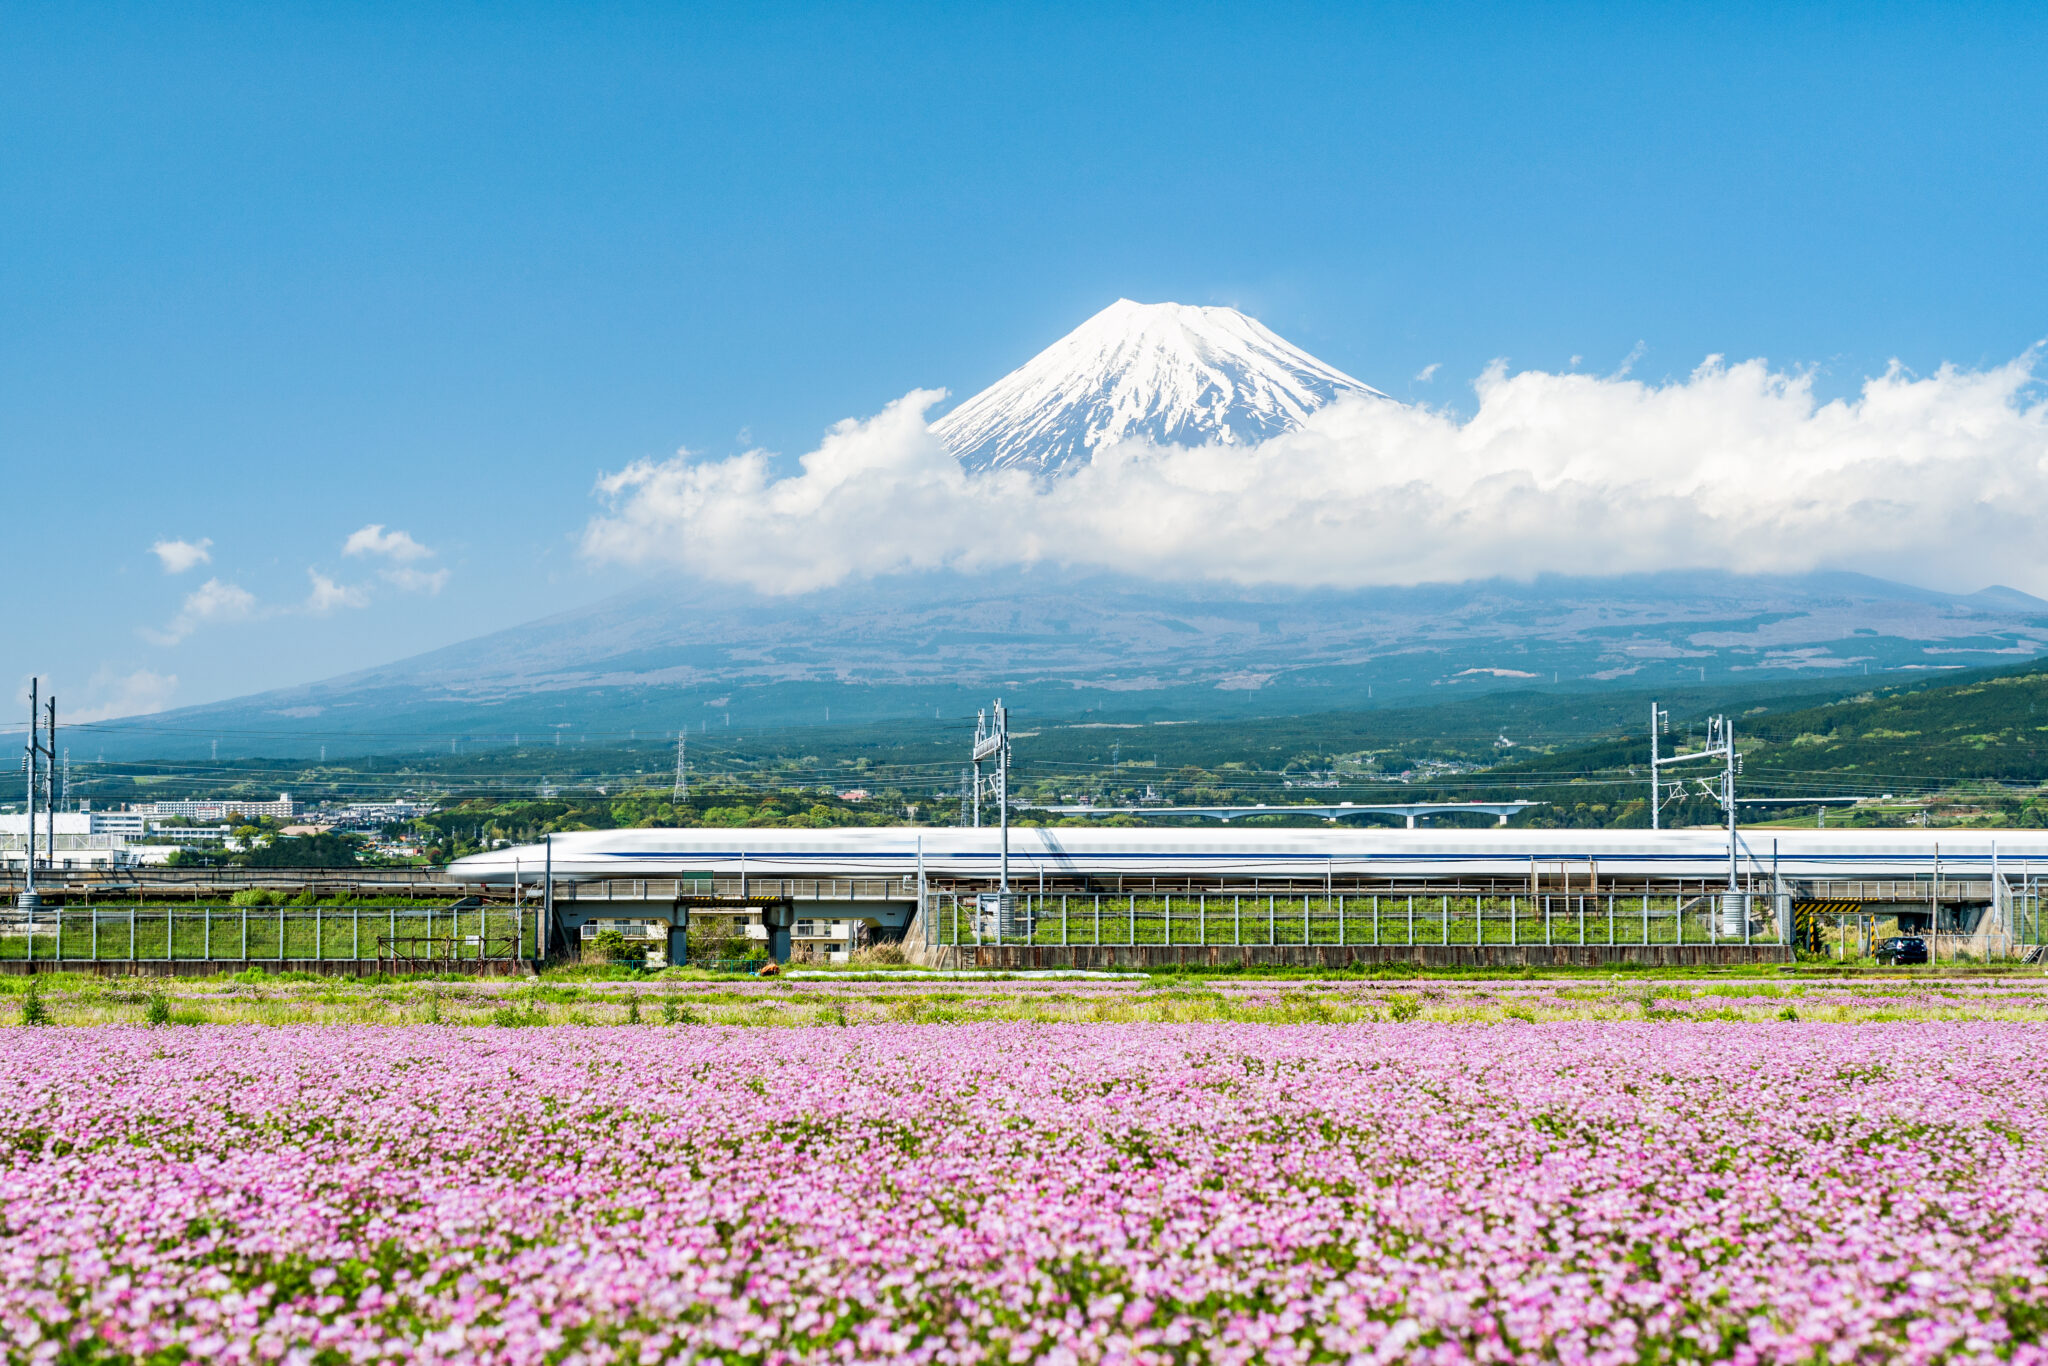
x,y
72,851
127,824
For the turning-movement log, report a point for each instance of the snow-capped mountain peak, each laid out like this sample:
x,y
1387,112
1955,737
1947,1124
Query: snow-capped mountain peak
x,y
1173,373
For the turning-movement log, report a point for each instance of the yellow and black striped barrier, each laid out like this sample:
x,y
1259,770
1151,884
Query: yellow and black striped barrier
x,y
1807,934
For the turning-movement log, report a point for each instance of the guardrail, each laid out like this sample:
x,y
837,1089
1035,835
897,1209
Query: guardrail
x,y
1899,891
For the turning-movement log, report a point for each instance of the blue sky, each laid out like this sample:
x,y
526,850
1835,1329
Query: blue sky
x,y
273,275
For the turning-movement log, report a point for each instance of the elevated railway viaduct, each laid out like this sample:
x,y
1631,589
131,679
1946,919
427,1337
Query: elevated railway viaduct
x,y
1085,897
1141,896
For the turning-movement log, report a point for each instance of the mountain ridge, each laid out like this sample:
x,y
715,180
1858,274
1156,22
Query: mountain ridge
x,y
1056,643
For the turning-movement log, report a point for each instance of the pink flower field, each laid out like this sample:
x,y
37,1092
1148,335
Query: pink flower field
x,y
1062,1193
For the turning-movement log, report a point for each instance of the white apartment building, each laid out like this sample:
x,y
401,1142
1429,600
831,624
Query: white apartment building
x,y
284,806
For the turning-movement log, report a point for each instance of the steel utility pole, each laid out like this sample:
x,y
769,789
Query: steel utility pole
x,y
50,786
1720,745
980,737
1660,723
682,768
993,742
1731,765
1003,789
31,901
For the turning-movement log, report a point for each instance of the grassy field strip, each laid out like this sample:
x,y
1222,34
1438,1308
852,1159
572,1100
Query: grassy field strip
x,y
81,1000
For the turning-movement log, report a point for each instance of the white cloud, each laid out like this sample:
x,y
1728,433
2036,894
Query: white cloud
x,y
391,545
862,505
407,580
1937,479
215,602
111,694
327,595
1428,372
179,556
210,603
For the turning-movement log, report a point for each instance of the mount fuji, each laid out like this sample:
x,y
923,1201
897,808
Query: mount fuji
x,y
1065,642
1171,374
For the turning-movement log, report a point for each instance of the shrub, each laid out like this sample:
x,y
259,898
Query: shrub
x,y
254,896
633,1009
879,955
33,1011
608,946
158,1012
715,938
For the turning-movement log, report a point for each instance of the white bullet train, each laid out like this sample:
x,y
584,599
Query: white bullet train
x,y
1070,853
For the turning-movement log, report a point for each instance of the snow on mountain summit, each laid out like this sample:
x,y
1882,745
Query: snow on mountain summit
x,y
1172,373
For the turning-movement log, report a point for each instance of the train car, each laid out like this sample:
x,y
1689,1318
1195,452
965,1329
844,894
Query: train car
x,y
1077,853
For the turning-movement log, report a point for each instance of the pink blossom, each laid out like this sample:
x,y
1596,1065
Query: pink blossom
x,y
1591,1192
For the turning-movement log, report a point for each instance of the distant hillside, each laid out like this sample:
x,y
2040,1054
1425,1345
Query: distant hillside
x,y
1993,727
1581,753
1910,739
1989,726
1061,646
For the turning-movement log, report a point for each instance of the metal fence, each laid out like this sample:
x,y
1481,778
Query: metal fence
x,y
169,932
1273,918
2014,925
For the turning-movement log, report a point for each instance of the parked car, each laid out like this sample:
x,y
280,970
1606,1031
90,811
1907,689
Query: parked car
x,y
1902,949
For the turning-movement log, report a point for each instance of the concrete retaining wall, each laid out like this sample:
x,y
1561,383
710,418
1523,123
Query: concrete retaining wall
x,y
325,967
1108,958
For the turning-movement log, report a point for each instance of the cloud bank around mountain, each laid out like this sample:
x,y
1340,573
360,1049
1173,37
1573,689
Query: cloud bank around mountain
x,y
1939,479
110,693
